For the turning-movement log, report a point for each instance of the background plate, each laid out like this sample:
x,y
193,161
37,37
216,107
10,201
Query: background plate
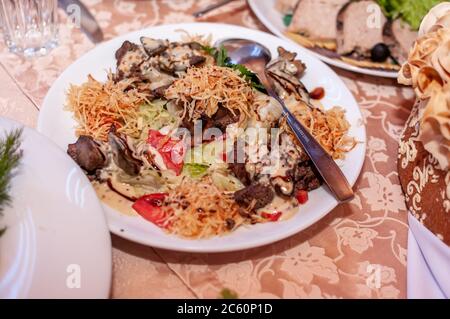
x,y
55,228
273,20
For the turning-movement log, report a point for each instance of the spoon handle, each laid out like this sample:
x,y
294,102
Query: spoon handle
x,y
326,166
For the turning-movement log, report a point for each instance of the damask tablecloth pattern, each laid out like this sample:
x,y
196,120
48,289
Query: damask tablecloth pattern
x,y
358,250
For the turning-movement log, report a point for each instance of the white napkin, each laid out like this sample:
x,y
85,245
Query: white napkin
x,y
428,263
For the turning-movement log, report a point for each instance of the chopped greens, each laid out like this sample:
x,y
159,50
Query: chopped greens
x,y
287,19
10,156
221,56
195,170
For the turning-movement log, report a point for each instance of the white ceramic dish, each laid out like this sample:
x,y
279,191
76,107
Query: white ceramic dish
x,y
58,124
273,20
57,243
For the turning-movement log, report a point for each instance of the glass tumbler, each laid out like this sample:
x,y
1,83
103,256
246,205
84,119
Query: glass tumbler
x,y
30,27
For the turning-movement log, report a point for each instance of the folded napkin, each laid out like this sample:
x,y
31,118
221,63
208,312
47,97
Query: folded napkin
x,y
428,263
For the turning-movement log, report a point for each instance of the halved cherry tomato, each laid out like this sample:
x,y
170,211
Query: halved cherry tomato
x,y
302,196
150,208
172,150
272,217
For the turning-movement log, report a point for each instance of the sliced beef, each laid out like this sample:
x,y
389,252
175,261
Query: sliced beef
x,y
126,47
159,92
196,60
87,154
238,168
122,154
223,117
358,30
400,38
314,18
261,194
304,177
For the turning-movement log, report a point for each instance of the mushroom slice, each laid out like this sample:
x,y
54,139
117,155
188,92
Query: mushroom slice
x,y
152,46
122,154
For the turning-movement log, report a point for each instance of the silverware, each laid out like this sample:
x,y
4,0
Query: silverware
x,y
210,8
87,21
255,56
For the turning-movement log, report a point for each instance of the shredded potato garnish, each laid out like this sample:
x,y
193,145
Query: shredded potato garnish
x,y
96,106
202,90
199,209
328,127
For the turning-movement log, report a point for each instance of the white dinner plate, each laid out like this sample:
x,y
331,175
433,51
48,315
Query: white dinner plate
x,y
58,124
57,243
273,20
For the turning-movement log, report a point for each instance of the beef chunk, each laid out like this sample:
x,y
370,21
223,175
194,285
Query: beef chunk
x,y
159,92
87,154
240,172
304,177
263,195
126,47
196,59
238,169
223,117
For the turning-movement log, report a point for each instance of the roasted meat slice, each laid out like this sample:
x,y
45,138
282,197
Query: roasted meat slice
x,y
399,36
359,28
256,194
87,154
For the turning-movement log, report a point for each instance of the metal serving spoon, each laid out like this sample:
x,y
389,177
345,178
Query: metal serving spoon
x,y
255,57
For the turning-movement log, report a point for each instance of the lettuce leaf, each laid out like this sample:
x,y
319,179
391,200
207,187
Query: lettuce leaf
x,y
195,170
411,11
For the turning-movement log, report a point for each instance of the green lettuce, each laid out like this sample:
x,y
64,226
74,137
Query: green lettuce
x,y
195,170
411,11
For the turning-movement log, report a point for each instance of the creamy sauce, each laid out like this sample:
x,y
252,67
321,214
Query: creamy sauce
x,y
113,200
288,207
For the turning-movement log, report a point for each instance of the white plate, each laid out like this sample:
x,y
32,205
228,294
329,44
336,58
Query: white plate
x,y
58,124
57,243
273,20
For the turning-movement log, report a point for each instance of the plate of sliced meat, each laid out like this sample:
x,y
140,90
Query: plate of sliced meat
x,y
359,36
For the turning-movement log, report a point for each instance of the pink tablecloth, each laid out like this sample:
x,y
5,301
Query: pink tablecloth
x,y
358,250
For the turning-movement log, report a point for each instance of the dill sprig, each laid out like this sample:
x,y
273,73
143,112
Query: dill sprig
x,y
10,156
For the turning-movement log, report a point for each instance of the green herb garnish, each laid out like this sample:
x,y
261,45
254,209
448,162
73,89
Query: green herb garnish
x,y
221,57
411,11
228,294
10,156
287,19
195,170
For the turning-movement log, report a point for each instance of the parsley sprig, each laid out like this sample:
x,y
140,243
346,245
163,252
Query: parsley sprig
x,y
221,56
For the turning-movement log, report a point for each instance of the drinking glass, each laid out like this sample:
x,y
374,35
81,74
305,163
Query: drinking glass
x,y
30,27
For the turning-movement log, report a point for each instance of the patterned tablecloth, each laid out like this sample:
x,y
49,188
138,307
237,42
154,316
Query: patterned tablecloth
x,y
358,250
